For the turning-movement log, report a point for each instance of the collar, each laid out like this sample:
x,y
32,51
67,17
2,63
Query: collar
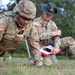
x,y
18,23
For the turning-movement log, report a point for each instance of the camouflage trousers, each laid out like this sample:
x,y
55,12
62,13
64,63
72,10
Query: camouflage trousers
x,y
67,42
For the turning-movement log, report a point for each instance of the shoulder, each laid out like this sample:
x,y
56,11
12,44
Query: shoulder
x,y
3,23
7,15
5,20
10,16
37,21
53,23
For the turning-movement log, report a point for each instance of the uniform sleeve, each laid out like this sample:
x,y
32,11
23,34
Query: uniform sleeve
x,y
47,35
34,38
57,42
3,26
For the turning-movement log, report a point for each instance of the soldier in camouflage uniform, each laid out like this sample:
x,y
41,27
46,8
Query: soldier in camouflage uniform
x,y
15,25
48,33
68,43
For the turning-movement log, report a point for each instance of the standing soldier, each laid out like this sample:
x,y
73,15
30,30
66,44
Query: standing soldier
x,y
15,25
48,33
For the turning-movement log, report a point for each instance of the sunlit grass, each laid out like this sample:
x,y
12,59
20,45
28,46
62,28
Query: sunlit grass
x,y
21,66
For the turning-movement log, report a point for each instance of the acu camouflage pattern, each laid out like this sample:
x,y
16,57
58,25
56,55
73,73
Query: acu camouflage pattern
x,y
11,35
26,9
33,41
68,43
46,34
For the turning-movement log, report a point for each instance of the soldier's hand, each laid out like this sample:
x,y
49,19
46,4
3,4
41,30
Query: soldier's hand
x,y
56,51
58,33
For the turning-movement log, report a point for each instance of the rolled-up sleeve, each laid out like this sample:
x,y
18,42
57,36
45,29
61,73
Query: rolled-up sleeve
x,y
57,42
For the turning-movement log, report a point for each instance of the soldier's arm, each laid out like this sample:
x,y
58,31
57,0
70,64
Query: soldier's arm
x,y
34,45
34,39
57,42
47,34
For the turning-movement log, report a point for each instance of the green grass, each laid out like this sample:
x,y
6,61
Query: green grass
x,y
21,66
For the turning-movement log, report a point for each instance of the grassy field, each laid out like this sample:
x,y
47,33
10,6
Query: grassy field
x,y
21,66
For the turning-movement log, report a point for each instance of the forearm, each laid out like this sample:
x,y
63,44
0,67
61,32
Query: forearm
x,y
47,35
57,42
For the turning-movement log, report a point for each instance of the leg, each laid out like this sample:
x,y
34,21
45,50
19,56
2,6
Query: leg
x,y
69,43
65,42
54,59
72,49
47,61
38,60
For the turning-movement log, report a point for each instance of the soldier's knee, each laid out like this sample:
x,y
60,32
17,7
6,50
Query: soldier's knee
x,y
38,62
47,61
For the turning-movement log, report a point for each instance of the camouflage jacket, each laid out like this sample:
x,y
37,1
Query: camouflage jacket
x,y
11,36
46,32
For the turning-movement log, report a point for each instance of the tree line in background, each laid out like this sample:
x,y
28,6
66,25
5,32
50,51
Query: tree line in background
x,y
64,21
